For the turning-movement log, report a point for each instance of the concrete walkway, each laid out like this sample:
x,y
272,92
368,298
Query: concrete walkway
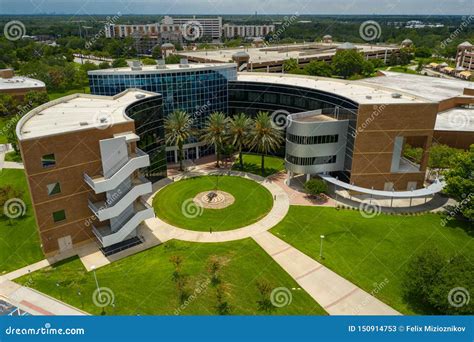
x,y
5,148
335,294
33,301
281,205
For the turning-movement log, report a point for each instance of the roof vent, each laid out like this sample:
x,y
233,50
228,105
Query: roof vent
x,y
140,96
160,64
136,65
83,123
183,63
369,97
396,95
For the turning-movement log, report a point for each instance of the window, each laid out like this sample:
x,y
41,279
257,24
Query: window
x,y
59,216
48,160
53,189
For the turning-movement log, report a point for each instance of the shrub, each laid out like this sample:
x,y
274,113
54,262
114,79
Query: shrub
x,y
316,187
439,286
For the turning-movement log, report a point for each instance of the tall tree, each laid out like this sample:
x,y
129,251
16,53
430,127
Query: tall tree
x,y
265,137
240,126
460,181
347,63
215,132
178,130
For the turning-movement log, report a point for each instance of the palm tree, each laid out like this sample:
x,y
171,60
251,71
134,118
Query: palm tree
x,y
265,137
240,126
215,132
178,130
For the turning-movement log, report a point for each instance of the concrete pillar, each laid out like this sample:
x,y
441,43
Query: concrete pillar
x,y
288,178
308,177
197,152
176,156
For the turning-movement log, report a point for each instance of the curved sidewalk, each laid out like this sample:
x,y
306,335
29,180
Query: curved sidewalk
x,y
336,295
165,231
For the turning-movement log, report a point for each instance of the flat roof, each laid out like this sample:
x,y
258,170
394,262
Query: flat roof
x,y
152,69
312,117
77,112
357,91
432,88
19,82
279,53
456,119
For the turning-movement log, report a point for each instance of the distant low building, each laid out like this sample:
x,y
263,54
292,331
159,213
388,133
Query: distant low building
x,y
247,31
465,56
18,86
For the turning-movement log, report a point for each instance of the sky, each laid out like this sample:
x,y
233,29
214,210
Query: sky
x,y
213,7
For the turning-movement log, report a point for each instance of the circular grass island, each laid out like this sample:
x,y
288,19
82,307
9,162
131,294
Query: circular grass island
x,y
179,203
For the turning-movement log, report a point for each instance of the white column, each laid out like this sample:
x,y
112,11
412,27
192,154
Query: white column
x,y
176,155
288,178
197,152
308,177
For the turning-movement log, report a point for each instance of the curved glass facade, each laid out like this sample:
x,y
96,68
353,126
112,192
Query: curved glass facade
x,y
198,91
252,97
149,126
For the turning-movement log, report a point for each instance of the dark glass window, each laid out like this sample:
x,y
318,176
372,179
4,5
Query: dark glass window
x,y
48,160
53,189
59,216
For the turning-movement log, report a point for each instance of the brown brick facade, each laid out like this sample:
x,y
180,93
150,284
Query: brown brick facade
x,y
75,153
378,126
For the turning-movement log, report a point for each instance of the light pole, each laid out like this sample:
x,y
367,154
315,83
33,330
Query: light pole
x,y
321,247
80,297
96,282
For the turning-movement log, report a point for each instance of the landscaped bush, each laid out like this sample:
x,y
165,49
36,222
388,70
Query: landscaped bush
x,y
439,285
316,187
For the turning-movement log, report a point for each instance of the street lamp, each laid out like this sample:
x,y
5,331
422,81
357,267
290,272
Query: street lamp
x,y
80,297
59,289
321,247
96,282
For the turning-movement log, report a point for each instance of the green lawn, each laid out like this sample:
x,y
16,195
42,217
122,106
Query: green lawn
x,y
142,284
371,251
252,202
13,157
253,162
19,241
57,95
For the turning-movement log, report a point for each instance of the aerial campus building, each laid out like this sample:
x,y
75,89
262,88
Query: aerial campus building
x,y
18,86
84,169
90,158
198,89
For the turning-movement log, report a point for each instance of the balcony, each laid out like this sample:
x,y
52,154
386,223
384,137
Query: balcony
x,y
105,211
101,184
108,238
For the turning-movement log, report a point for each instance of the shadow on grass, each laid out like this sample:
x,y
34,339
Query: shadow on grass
x,y
255,169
